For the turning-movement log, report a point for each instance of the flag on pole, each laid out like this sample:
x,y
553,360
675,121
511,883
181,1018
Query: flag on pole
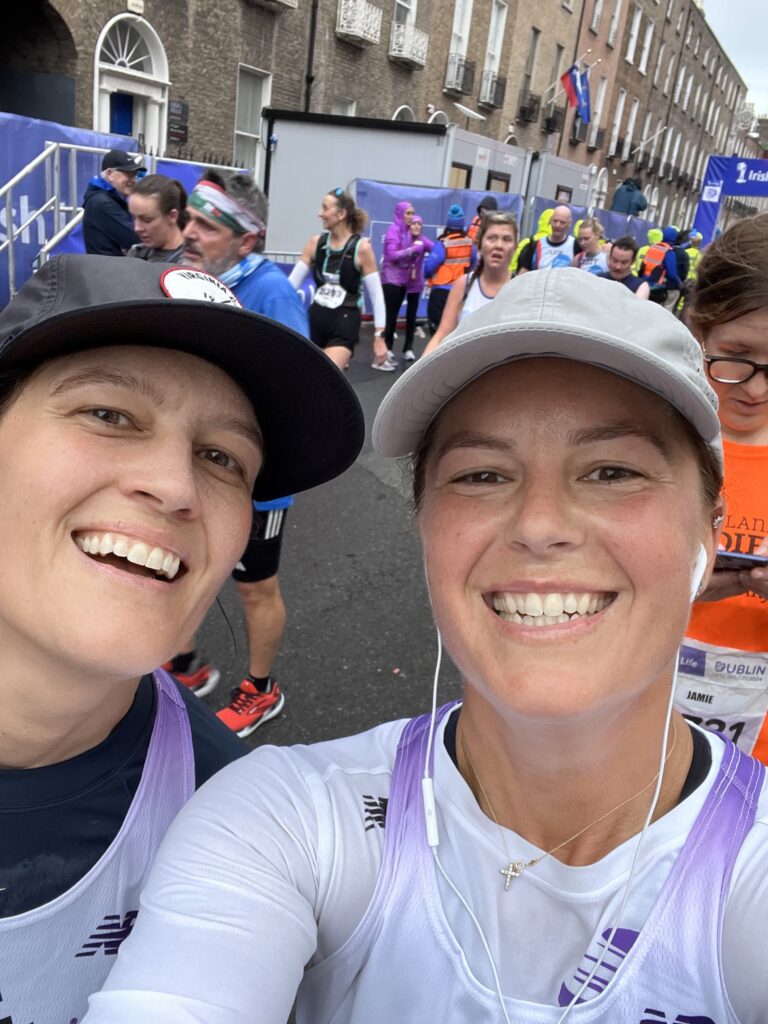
x,y
576,86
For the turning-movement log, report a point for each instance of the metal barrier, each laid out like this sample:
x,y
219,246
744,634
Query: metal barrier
x,y
65,216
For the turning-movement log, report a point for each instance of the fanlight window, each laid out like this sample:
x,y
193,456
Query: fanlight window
x,y
125,47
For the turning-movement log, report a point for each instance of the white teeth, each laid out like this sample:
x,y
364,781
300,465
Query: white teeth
x,y
120,547
550,609
156,559
553,604
140,553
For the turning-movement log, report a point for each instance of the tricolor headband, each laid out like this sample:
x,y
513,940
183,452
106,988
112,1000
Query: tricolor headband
x,y
212,201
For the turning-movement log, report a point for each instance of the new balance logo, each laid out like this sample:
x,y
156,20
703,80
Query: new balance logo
x,y
660,1017
375,808
110,934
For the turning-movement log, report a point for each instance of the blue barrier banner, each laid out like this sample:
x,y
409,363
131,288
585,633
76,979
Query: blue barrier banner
x,y
728,176
379,198
22,139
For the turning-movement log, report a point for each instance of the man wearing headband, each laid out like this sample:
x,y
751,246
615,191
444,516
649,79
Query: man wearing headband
x,y
225,236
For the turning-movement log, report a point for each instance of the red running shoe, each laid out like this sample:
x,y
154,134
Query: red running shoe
x,y
249,707
200,677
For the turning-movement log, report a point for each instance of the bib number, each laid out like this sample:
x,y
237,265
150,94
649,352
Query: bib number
x,y
331,296
723,690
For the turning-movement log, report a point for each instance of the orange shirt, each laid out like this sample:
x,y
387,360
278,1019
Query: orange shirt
x,y
739,622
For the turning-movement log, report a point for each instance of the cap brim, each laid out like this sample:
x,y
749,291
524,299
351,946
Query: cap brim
x,y
310,417
414,401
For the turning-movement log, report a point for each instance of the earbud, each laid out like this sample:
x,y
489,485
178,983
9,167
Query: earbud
x,y
698,571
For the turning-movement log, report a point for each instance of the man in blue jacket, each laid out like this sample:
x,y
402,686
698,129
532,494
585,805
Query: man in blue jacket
x,y
107,223
629,198
225,236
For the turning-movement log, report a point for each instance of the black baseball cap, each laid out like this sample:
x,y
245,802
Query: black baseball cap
x,y
310,418
120,160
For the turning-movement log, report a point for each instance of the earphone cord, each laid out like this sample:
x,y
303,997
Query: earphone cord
x,y
648,820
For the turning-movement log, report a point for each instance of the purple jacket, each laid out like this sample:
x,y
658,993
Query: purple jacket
x,y
416,279
399,250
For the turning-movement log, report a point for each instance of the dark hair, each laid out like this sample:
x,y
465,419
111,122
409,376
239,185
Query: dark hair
x,y
732,277
11,383
243,188
710,470
171,194
626,242
356,218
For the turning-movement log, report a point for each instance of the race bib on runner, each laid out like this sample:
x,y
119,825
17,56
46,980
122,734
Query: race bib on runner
x,y
723,690
330,295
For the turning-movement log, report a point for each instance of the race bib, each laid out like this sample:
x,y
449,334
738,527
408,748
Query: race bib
x,y
723,690
330,295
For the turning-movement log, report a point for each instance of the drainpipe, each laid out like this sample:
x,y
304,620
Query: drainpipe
x,y
575,58
310,75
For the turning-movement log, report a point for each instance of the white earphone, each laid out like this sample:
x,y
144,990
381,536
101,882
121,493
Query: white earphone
x,y
698,571
430,811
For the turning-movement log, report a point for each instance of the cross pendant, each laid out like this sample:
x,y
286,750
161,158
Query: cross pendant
x,y
513,870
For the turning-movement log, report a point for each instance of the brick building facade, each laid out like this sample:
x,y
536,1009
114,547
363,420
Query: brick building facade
x,y
190,77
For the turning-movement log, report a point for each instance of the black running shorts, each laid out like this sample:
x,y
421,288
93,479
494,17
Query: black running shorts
x,y
334,327
261,559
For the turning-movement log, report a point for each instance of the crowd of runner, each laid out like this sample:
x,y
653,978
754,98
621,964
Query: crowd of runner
x,y
583,837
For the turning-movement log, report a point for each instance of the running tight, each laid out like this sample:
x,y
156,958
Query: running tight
x,y
393,300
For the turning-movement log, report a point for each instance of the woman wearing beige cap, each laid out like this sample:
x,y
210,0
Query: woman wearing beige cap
x,y
560,845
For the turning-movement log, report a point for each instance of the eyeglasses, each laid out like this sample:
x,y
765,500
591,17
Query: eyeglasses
x,y
727,370
338,192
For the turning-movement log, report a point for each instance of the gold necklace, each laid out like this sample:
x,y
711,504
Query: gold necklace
x,y
515,868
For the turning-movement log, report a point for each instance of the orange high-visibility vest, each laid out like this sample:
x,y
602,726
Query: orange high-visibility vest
x,y
653,263
458,259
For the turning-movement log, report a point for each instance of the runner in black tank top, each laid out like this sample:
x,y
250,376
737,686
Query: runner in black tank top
x,y
340,260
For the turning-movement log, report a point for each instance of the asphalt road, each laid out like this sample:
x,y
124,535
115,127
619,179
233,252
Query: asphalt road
x,y
359,646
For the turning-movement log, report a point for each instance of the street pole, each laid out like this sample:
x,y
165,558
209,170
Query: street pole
x,y
309,78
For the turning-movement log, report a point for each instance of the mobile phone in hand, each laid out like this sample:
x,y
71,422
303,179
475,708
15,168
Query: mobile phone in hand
x,y
734,562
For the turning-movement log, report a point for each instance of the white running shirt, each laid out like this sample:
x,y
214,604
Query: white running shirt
x,y
272,865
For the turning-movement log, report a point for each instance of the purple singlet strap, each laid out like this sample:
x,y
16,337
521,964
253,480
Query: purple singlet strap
x,y
409,769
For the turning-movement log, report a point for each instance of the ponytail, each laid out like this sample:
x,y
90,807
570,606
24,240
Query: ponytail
x,y
356,217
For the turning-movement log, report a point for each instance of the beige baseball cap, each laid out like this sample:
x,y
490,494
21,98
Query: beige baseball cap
x,y
562,313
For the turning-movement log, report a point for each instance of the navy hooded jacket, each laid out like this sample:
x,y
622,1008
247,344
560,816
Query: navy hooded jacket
x,y
107,224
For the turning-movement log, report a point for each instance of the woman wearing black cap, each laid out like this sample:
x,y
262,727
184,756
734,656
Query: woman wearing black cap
x,y
559,847
128,473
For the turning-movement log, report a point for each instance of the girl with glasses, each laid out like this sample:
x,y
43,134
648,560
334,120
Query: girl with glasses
x,y
724,667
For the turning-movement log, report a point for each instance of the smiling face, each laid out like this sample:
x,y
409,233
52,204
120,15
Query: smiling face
x,y
147,455
560,529
154,228
331,213
123,182
743,407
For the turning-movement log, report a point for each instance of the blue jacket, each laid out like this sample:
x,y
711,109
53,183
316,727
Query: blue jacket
x,y
629,199
107,224
269,292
